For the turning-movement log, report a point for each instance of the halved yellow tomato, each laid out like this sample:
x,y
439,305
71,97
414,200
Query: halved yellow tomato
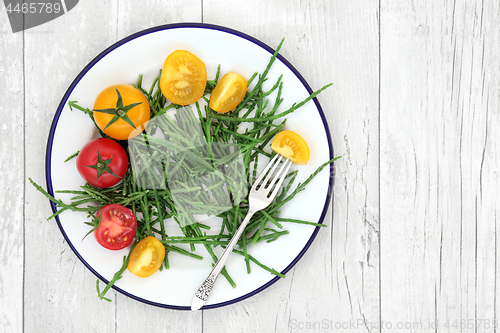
x,y
121,111
291,145
228,92
146,257
183,78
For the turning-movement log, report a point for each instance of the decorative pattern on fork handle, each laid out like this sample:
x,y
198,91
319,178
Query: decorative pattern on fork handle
x,y
206,287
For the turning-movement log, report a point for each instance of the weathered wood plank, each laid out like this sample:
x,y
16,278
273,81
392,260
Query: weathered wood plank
x,y
440,91
439,83
336,282
133,16
59,293
12,174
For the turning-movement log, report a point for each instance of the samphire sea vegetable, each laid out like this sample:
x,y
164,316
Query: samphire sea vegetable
x,y
159,188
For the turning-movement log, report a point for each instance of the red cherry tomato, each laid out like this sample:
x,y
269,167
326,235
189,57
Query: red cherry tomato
x,y
117,227
102,162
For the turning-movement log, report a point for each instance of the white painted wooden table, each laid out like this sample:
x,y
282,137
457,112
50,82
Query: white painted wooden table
x,y
411,243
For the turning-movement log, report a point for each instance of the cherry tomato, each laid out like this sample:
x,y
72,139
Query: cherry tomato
x,y
228,93
183,78
146,257
291,145
117,227
102,162
121,111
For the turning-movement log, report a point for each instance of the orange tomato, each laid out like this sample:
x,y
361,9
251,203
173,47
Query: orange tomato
x,y
146,257
121,111
228,93
291,145
183,78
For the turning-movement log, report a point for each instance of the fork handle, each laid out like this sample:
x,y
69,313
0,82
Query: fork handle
x,y
201,296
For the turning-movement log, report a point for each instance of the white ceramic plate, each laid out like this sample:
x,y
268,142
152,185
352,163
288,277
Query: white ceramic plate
x,y
144,53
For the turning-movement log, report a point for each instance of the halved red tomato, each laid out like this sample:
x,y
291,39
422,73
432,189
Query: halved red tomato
x,y
183,78
146,257
292,146
117,227
228,92
102,162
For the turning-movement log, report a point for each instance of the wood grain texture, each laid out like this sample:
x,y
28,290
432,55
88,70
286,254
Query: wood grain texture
x,y
58,290
343,260
411,243
12,174
336,282
439,105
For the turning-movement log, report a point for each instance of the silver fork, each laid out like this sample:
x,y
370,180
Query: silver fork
x,y
263,191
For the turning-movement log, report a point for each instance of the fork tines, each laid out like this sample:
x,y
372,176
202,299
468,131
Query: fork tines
x,y
271,179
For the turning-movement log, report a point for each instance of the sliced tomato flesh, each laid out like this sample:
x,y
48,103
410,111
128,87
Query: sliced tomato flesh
x,y
292,146
183,78
146,257
117,227
228,93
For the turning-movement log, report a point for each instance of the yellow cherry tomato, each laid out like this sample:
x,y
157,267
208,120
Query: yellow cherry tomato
x,y
291,145
183,78
228,93
146,257
121,111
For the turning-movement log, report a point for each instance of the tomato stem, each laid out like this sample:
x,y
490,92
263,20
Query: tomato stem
x,y
119,111
102,166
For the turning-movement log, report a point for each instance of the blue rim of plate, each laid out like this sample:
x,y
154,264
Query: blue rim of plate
x,y
125,40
